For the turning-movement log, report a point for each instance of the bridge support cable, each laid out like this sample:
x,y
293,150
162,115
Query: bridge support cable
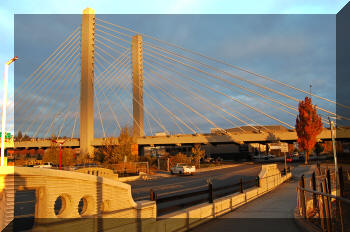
x,y
101,90
222,79
110,108
253,73
108,82
98,55
146,111
109,34
65,98
45,86
64,111
62,98
63,61
118,32
113,70
74,125
67,113
189,107
32,78
159,123
199,131
239,78
166,67
149,126
205,74
259,111
170,113
119,86
221,62
99,113
121,102
203,99
73,68
111,41
194,96
225,86
183,115
111,49
58,82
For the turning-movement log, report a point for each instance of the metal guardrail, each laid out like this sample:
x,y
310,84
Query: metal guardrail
x,y
203,195
326,210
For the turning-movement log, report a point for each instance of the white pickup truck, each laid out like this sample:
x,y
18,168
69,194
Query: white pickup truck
x,y
183,169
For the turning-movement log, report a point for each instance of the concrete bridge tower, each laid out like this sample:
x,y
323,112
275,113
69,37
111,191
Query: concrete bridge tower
x,y
137,86
87,83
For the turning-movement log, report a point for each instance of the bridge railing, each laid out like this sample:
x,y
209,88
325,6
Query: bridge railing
x,y
322,206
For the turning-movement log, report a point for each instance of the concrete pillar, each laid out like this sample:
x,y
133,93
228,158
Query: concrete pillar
x,y
87,83
137,86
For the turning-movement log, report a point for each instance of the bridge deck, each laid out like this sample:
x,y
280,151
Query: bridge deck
x,y
238,138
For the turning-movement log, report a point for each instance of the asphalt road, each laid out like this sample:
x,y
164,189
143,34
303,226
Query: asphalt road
x,y
176,184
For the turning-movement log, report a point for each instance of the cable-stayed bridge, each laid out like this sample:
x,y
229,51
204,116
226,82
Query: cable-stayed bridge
x,y
104,76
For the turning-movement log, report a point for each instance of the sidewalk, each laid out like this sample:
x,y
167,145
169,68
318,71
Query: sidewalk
x,y
270,212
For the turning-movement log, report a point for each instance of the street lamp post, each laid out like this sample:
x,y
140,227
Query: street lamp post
x,y
334,153
4,103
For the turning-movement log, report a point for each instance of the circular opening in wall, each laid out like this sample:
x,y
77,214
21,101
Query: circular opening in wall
x,y
82,206
60,205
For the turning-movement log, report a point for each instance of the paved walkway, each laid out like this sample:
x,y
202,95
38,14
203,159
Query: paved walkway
x,y
270,212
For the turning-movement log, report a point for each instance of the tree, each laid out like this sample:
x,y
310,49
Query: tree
x,y
179,158
308,126
114,150
19,136
125,141
198,154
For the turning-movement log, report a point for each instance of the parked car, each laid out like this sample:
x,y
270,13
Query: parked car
x,y
183,169
289,159
45,165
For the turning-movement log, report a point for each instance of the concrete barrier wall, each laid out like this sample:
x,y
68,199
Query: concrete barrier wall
x,y
193,216
102,197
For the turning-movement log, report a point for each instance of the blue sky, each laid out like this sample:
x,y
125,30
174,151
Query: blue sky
x,y
9,8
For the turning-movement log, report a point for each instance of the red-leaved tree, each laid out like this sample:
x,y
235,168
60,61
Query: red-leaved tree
x,y
308,126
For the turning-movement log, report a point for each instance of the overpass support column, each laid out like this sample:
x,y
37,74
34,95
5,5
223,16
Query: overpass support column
x,y
137,86
87,83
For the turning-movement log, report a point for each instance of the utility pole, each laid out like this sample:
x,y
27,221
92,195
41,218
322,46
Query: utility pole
x,y
87,83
